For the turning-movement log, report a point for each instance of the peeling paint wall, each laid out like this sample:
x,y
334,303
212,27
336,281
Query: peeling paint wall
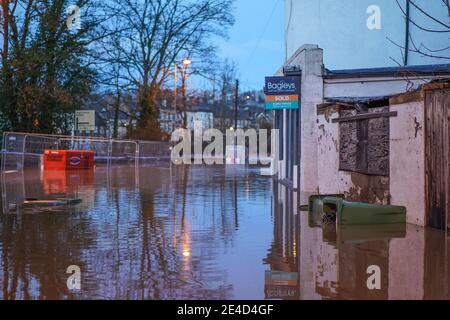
x,y
355,186
407,160
331,180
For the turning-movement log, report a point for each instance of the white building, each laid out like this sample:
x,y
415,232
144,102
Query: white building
x,y
367,33
364,52
311,137
201,115
169,120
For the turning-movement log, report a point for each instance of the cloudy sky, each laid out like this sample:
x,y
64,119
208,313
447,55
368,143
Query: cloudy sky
x,y
256,41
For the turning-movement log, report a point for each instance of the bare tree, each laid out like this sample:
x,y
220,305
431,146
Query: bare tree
x,y
156,34
47,70
432,24
227,75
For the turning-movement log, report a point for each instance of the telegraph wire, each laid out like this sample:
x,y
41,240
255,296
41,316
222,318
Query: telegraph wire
x,y
263,31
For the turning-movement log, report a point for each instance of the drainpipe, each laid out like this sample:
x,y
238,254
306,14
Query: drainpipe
x,y
407,18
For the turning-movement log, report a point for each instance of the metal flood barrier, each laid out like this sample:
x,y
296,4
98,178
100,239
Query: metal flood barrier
x,y
21,150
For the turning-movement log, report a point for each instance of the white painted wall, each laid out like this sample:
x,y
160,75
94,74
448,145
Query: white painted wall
x,y
331,180
340,28
407,160
369,87
310,58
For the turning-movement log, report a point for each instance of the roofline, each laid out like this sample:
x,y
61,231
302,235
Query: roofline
x,y
410,71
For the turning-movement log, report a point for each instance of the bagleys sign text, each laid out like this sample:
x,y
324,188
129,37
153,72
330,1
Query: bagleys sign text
x,y
282,92
282,85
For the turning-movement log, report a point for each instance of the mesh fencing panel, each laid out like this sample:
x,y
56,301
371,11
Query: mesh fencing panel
x,y
25,150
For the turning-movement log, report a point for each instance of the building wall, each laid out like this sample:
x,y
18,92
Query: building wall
x,y
331,180
205,118
369,87
310,59
340,28
407,160
319,164
406,182
317,143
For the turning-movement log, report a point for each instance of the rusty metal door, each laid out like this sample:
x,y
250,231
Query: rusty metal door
x,y
437,179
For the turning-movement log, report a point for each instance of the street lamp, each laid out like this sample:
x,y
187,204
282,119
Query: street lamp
x,y
186,62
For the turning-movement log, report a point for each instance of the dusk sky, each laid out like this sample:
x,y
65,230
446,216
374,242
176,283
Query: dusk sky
x,y
256,41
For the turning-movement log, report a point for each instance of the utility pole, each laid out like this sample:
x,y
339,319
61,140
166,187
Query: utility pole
x,y
175,89
236,102
408,19
186,64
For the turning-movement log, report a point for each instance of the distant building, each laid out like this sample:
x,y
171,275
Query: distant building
x,y
104,106
263,120
201,114
169,120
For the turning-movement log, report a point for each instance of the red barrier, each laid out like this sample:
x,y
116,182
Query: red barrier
x,y
65,181
68,159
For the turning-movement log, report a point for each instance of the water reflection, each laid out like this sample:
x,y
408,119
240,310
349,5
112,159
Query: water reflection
x,y
180,233
200,233
332,261
282,281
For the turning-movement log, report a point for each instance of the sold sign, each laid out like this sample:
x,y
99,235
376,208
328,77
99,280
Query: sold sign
x,y
282,93
288,98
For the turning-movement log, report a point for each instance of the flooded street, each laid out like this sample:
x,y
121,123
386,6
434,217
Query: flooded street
x,y
199,232
180,234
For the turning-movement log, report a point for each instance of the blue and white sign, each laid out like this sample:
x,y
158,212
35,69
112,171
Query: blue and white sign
x,y
282,93
282,86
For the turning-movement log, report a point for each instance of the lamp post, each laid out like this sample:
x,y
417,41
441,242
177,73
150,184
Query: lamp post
x,y
186,63
175,67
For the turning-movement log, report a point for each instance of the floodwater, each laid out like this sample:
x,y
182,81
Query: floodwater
x,y
198,232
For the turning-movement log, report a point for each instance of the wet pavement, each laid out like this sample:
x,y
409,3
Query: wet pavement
x,y
199,232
